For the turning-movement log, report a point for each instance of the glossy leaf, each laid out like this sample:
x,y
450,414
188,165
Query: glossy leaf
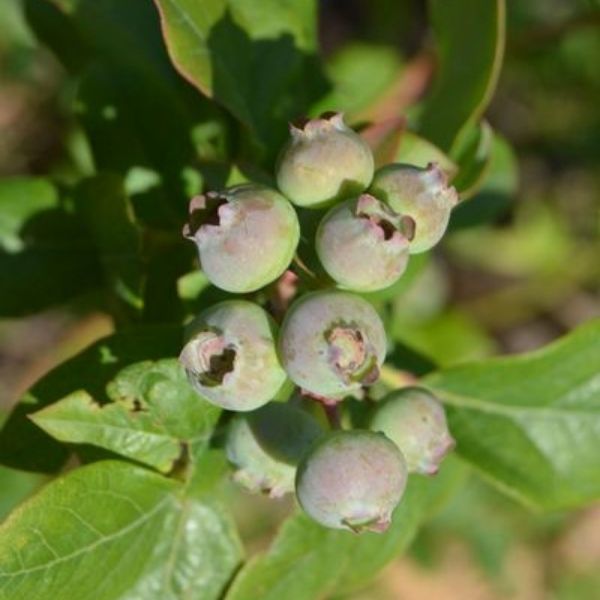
x,y
360,74
308,561
473,154
23,445
108,216
416,150
126,82
498,189
162,389
470,45
113,530
257,59
16,486
46,256
136,434
22,198
530,424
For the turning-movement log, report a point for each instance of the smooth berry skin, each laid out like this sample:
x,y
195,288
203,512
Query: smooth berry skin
x,y
230,357
266,446
323,162
352,480
332,343
363,244
415,420
246,236
423,194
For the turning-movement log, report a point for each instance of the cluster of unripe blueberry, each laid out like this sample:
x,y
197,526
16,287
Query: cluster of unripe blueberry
x,y
331,343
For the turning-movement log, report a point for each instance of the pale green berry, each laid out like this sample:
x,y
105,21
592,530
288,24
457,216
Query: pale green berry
x,y
363,244
352,480
324,161
267,444
331,343
230,356
423,194
246,236
414,419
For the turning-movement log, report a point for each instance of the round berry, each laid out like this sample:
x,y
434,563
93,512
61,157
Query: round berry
x,y
331,343
422,194
352,480
414,419
324,161
246,236
230,357
267,444
363,244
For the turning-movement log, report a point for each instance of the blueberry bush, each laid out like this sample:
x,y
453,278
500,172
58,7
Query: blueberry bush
x,y
253,213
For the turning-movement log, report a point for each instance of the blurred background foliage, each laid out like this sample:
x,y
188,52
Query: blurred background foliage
x,y
520,267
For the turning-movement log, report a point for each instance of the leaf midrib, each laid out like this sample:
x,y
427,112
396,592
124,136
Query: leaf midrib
x,y
161,436
494,407
90,547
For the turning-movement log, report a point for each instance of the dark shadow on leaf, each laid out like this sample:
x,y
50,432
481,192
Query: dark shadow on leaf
x,y
58,261
24,446
406,359
265,83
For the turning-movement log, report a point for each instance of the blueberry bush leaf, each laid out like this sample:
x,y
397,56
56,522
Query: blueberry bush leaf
x,y
361,74
78,419
257,59
108,216
153,413
473,153
496,192
469,37
154,537
416,150
16,486
320,561
530,424
23,445
46,256
113,50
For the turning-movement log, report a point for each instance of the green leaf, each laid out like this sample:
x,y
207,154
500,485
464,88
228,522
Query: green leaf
x,y
470,41
360,75
531,423
416,150
22,198
162,389
46,256
23,445
257,59
112,531
115,49
15,486
497,190
106,211
447,338
307,561
136,434
473,153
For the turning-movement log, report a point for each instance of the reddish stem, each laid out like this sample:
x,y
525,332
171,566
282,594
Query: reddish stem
x,y
332,412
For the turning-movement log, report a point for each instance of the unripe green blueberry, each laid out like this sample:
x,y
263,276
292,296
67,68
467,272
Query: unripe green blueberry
x,y
422,194
352,480
230,357
331,343
246,236
363,244
414,419
267,444
324,161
